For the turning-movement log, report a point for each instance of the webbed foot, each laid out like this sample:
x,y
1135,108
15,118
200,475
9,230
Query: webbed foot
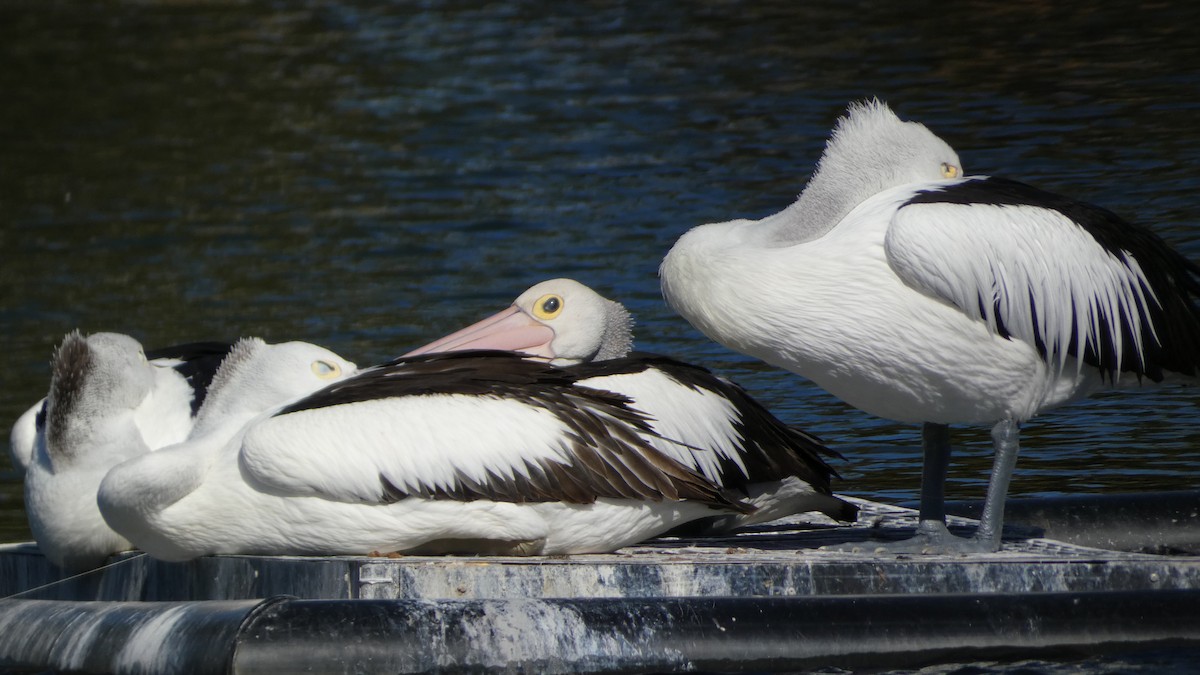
x,y
932,538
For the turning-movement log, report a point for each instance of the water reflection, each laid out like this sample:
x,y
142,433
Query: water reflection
x,y
368,176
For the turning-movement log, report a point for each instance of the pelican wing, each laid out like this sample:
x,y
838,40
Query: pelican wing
x,y
1072,279
466,426
711,424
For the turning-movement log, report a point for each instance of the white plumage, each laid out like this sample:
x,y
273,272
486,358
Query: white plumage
x,y
102,392
465,452
163,418
24,437
136,496
919,295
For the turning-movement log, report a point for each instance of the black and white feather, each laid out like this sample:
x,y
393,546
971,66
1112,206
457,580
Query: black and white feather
x,y
1075,280
468,426
168,415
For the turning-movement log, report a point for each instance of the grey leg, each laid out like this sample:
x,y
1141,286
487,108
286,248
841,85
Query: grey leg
x,y
932,536
1005,439
935,445
932,533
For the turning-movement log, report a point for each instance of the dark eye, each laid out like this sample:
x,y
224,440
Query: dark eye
x,y
548,306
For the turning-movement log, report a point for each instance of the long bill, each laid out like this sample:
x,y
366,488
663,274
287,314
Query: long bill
x,y
509,330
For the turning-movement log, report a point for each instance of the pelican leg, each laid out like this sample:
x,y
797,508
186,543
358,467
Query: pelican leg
x,y
1005,439
935,445
932,535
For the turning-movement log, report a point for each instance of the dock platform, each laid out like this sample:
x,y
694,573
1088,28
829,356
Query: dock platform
x,y
769,598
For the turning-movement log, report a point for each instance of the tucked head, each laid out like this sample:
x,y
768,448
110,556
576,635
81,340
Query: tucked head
x,y
257,376
560,320
870,141
108,368
869,151
92,380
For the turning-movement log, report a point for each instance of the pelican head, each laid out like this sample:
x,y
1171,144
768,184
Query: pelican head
x,y
256,376
560,321
869,151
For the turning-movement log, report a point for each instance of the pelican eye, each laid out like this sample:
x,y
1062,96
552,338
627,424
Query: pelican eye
x,y
949,170
326,370
548,306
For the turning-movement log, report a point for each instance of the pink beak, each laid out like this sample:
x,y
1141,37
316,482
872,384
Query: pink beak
x,y
510,330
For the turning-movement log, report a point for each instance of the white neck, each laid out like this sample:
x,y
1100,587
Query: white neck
x,y
820,207
870,150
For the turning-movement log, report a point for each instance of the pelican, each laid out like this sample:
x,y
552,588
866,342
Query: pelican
x,y
106,404
705,422
193,363
919,294
470,452
252,378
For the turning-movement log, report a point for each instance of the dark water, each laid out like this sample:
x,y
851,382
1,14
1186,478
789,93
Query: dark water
x,y
368,176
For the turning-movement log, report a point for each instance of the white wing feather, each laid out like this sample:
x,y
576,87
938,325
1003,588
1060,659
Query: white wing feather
x,y
416,442
696,425
1029,269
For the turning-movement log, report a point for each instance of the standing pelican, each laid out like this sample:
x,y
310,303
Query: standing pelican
x,y
466,452
917,294
705,422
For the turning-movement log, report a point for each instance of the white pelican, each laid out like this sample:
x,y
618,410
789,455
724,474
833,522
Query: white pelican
x,y
920,295
476,452
193,363
254,377
703,421
106,404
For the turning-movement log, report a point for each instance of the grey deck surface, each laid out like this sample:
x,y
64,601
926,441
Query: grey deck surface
x,y
781,559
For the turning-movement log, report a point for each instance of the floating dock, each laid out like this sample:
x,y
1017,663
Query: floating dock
x,y
762,600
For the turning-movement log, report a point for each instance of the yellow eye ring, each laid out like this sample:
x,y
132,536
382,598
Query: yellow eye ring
x,y
326,370
949,170
548,306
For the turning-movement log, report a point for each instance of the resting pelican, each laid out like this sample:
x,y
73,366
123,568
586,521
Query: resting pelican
x,y
918,294
193,363
104,400
254,377
705,422
477,452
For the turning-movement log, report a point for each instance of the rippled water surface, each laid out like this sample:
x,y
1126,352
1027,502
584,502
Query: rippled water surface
x,y
368,176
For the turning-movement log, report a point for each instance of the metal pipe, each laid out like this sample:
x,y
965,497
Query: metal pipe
x,y
121,637
566,635
702,634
